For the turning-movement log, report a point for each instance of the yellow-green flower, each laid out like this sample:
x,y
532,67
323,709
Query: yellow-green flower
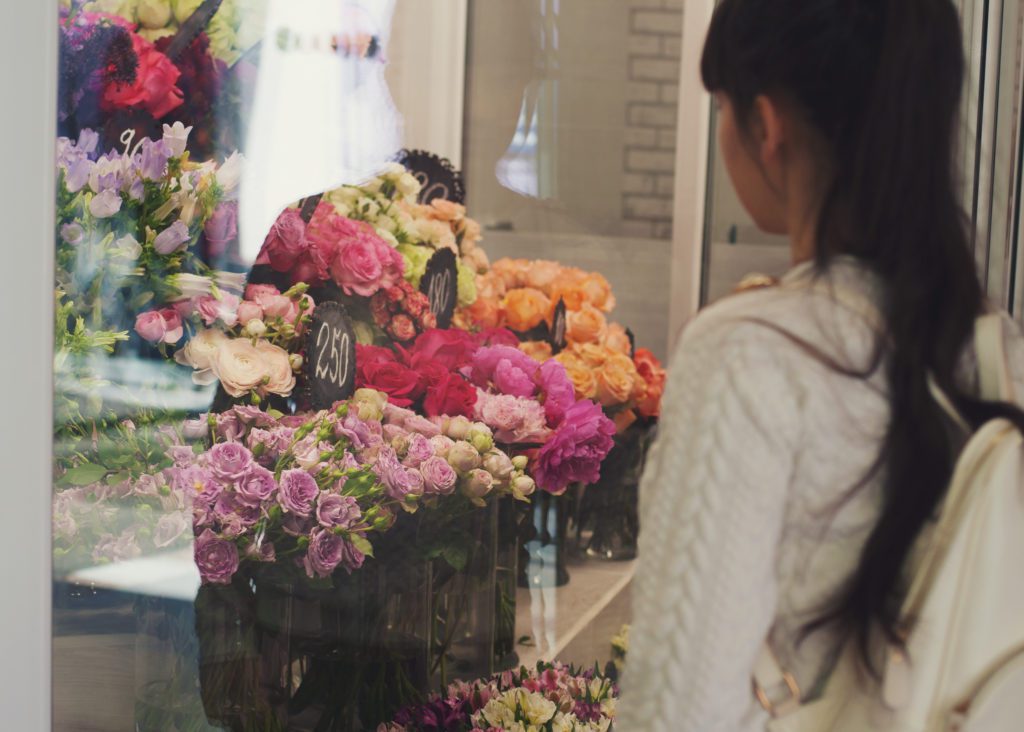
x,y
467,285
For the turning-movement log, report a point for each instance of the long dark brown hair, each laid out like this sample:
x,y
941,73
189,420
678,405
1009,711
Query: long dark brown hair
x,y
880,81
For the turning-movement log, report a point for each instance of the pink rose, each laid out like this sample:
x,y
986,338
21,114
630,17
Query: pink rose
x,y
277,306
248,310
257,292
211,309
160,326
154,86
286,240
357,268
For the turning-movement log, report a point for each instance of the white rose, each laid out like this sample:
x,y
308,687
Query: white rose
x,y
199,353
277,367
154,14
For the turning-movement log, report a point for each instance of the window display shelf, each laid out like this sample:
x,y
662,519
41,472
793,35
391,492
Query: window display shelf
x,y
575,623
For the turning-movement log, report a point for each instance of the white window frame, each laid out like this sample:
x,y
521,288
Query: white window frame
x,y
28,53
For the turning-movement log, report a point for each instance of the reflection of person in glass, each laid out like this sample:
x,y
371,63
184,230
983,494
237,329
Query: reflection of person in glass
x,y
801,453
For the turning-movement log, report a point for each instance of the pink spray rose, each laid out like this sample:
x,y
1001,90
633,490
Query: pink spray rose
x,y
216,558
160,326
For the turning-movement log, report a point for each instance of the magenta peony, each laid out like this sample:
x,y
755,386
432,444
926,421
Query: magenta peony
x,y
576,449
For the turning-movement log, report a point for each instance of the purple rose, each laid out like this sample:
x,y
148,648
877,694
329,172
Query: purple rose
x,y
195,429
256,486
229,461
294,525
263,552
419,450
148,485
438,476
298,489
351,558
181,455
576,449
234,516
399,482
172,239
169,528
194,484
355,430
334,511
216,558
326,551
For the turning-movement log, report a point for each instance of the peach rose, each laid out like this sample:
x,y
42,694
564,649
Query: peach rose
x,y
616,339
581,375
537,350
586,325
239,366
573,297
476,260
444,210
615,380
592,354
511,272
277,369
490,286
543,275
525,308
598,292
471,231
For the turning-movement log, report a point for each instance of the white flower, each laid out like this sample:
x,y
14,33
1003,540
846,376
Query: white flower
x,y
128,247
176,137
499,713
239,366
230,173
199,353
407,185
277,368
255,328
154,14
608,707
538,708
106,204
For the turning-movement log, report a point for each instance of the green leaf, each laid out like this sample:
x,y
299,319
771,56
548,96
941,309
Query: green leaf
x,y
362,544
84,474
456,556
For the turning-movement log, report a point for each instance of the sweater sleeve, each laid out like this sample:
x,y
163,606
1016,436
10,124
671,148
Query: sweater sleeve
x,y
712,505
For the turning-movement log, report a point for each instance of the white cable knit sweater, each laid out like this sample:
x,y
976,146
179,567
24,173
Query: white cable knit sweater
x,y
748,519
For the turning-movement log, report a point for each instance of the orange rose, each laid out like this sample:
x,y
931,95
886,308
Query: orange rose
x,y
539,351
586,325
525,308
616,339
598,292
653,374
581,375
615,380
489,286
592,354
573,297
511,271
624,420
543,275
484,313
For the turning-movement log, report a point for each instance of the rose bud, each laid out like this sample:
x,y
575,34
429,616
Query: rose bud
x,y
523,486
463,457
255,328
477,484
498,464
481,437
458,428
296,361
520,462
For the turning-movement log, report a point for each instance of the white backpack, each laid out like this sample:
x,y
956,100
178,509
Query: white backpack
x,y
964,667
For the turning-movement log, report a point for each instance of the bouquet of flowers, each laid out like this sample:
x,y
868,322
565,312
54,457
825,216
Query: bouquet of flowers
x,y
531,407
551,697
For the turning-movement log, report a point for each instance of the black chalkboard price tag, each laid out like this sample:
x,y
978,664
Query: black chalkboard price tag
x,y
440,284
194,25
632,342
437,176
330,356
557,337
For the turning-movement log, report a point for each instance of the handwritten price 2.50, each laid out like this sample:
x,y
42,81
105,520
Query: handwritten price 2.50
x,y
333,346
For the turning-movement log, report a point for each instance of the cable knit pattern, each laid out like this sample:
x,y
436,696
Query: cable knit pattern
x,y
748,521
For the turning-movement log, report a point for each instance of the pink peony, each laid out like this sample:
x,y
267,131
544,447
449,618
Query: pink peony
x,y
576,449
508,369
515,420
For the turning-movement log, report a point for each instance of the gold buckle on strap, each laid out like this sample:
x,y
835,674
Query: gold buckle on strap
x,y
784,699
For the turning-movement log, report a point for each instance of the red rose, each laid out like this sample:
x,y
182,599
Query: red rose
x,y
154,88
374,354
446,393
451,348
402,385
402,328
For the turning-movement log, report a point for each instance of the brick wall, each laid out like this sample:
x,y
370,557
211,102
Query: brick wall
x,y
654,39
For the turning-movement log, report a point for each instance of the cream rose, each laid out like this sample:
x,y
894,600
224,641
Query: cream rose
x,y
278,369
239,366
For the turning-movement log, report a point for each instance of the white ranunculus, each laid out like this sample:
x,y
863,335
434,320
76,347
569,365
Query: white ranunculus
x,y
176,137
239,366
200,352
277,367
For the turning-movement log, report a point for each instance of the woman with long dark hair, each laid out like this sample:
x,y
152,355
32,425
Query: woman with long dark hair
x,y
801,452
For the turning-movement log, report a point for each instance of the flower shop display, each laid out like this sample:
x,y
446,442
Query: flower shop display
x,y
551,697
